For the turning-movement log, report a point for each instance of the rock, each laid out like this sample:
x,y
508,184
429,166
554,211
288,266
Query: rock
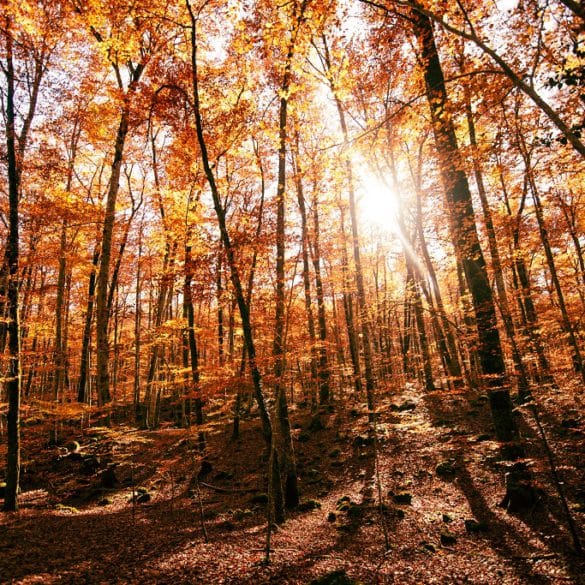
x,y
239,515
206,469
309,505
141,495
73,447
223,475
108,477
569,422
362,441
354,511
64,508
473,526
448,539
339,577
402,498
316,423
445,469
521,495
105,502
406,406
331,517
261,498
428,546
2,489
446,518
90,463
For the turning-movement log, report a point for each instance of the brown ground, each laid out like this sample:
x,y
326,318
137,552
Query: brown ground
x,y
69,530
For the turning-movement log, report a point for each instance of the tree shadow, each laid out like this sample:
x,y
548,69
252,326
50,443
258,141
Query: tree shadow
x,y
503,538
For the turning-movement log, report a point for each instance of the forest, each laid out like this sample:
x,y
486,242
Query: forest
x,y
292,291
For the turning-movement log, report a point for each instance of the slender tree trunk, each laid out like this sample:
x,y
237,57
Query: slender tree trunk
x,y
323,373
577,357
504,306
348,306
276,493
137,326
359,276
190,353
220,310
306,269
59,315
226,240
13,374
248,295
284,440
103,276
464,234
83,393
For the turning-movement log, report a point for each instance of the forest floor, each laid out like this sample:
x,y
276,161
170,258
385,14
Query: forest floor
x,y
125,506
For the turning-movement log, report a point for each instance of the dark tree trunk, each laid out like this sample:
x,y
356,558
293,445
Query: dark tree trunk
x,y
464,234
83,394
324,374
504,305
11,260
306,269
103,276
190,353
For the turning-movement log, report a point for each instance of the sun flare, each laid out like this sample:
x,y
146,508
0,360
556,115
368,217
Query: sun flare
x,y
379,204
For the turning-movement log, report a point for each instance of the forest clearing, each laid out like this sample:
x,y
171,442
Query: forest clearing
x,y
292,292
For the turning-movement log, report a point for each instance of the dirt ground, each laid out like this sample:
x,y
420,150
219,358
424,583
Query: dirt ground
x,y
418,505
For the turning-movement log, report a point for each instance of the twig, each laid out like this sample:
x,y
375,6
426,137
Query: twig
x,y
227,490
201,514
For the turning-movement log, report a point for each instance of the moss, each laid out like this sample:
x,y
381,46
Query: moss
x,y
354,510
406,406
64,508
239,515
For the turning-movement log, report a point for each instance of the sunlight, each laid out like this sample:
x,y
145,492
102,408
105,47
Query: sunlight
x,y
378,204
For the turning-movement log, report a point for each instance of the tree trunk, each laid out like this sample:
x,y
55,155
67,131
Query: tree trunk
x,y
13,374
103,276
504,305
190,353
306,270
323,373
83,393
464,234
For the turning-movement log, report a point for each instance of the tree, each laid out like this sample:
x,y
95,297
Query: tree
x,y
464,231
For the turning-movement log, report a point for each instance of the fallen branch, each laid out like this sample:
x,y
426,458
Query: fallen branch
x,y
228,490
